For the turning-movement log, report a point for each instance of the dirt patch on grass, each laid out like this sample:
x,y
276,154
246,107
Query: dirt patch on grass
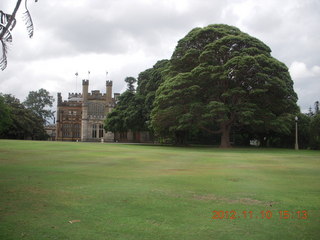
x,y
4,151
177,169
250,167
245,201
234,179
37,191
154,222
250,201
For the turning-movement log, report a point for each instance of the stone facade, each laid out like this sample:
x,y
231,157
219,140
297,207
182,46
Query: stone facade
x,y
51,131
81,118
69,115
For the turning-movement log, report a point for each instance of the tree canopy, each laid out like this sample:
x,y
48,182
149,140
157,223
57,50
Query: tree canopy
x,y
219,78
130,83
314,134
21,122
5,119
128,114
39,102
133,108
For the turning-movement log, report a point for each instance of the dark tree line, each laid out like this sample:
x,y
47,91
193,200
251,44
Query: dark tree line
x,y
25,120
313,120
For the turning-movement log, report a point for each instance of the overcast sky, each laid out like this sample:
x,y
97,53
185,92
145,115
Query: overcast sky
x,y
125,37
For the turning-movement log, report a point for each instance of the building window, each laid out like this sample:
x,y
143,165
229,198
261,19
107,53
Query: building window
x,y
94,131
66,130
100,130
77,130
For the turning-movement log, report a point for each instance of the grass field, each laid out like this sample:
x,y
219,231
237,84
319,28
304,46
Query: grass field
x,y
55,190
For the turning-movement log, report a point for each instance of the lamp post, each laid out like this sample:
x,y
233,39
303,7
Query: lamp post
x,y
296,146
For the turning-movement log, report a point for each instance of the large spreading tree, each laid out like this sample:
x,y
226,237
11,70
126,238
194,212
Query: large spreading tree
x,y
220,78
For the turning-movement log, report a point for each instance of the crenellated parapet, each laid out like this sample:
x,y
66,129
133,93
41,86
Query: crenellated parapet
x,y
109,83
74,100
75,95
85,82
96,95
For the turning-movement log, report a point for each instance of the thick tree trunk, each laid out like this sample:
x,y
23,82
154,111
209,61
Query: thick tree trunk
x,y
225,136
263,141
180,138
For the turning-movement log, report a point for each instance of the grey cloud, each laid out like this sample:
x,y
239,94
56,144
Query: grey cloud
x,y
150,30
111,26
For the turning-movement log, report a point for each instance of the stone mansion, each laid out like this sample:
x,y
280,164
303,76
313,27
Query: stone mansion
x,y
82,116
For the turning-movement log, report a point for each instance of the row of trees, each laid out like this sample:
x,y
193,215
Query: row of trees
x,y
25,120
220,86
134,106
311,127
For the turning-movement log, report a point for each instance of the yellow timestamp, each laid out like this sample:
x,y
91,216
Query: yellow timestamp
x,y
283,214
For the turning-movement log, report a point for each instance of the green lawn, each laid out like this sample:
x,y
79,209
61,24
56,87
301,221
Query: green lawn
x,y
119,191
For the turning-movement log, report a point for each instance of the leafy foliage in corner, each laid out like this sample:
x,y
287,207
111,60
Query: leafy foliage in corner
x,y
7,23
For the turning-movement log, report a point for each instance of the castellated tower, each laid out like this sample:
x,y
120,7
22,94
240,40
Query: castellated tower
x,y
84,121
109,91
85,87
95,107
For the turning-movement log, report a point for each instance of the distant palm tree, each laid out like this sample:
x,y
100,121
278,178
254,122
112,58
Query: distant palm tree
x,y
7,23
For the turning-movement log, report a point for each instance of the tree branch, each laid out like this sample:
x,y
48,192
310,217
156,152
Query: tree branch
x,y
211,131
12,18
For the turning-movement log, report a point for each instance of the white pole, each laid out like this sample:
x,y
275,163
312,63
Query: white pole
x,y
296,147
76,81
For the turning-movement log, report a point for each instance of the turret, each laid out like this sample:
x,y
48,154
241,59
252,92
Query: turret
x,y
109,91
85,86
59,99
